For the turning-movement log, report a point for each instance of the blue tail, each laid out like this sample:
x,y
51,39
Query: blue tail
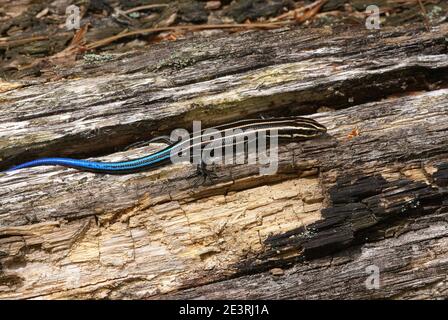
x,y
66,162
151,161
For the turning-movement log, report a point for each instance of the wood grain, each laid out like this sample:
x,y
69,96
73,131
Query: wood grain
x,y
338,203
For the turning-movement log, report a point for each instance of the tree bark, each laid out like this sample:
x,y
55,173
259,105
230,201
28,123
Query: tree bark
x,y
371,193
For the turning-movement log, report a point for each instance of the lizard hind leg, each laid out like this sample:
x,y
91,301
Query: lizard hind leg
x,y
202,175
206,173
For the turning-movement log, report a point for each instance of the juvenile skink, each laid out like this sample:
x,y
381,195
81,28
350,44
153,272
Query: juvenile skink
x,y
291,128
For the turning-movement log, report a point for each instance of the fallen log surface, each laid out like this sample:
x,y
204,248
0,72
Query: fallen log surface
x,y
371,192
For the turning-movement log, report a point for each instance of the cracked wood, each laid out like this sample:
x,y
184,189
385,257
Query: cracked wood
x,y
152,235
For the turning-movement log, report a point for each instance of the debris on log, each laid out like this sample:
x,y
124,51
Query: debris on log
x,y
371,192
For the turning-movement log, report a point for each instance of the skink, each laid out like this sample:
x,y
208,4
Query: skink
x,y
292,128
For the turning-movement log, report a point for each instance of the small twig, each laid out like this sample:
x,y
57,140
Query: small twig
x,y
425,15
119,36
13,43
291,13
315,7
149,6
311,12
411,2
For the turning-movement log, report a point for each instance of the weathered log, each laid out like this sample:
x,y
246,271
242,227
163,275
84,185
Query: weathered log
x,y
370,192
